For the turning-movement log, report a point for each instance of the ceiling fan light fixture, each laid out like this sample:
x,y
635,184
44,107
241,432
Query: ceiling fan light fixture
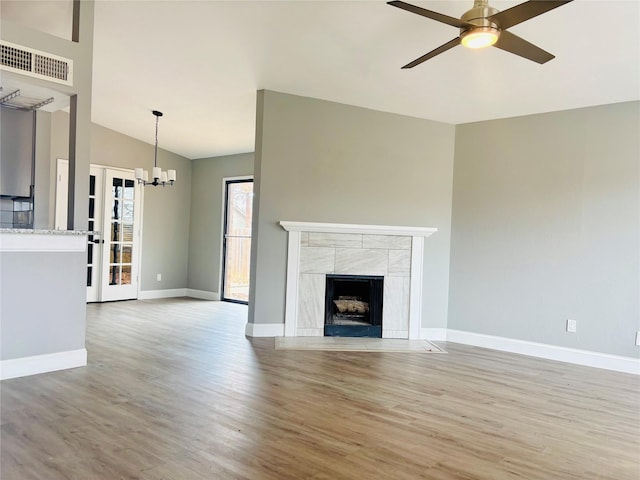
x,y
479,37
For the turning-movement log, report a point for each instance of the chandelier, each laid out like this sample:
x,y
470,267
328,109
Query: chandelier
x,y
159,176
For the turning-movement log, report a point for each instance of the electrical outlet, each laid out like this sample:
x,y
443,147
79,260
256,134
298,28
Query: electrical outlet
x,y
571,325
159,277
638,338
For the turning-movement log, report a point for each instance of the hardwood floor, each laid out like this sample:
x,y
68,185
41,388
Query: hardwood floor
x,y
174,390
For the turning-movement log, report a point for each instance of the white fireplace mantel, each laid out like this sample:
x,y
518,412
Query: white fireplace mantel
x,y
417,234
352,228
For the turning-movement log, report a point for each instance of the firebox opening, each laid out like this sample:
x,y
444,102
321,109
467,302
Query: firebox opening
x,y
353,306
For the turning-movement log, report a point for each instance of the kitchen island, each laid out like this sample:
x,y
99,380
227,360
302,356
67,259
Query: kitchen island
x,y
42,301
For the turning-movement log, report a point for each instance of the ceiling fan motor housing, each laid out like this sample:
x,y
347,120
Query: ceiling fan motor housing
x,y
478,16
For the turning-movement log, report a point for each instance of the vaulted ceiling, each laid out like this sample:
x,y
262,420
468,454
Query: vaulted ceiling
x,y
202,62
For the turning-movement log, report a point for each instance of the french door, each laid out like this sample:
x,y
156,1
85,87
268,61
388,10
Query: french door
x,y
113,256
236,244
95,242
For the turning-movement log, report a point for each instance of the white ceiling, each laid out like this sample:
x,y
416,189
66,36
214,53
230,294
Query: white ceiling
x,y
202,62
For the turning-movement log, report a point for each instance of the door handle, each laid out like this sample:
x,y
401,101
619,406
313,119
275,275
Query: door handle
x,y
98,241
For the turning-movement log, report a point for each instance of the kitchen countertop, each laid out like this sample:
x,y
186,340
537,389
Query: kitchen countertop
x,y
22,240
40,231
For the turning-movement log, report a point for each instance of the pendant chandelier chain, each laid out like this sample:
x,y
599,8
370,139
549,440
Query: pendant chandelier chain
x,y
155,156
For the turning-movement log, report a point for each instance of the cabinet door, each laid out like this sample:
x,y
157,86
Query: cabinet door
x,y
16,167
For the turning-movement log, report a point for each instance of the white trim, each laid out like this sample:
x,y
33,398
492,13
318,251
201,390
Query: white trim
x,y
550,352
111,167
22,367
178,292
62,194
264,329
353,228
293,277
434,334
415,289
167,293
53,241
140,233
202,294
239,177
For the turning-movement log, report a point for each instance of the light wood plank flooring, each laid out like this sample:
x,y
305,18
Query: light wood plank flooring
x,y
174,390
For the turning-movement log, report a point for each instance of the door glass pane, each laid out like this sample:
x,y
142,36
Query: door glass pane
x,y
115,232
117,187
116,210
114,253
125,278
237,242
128,189
127,233
114,275
126,253
127,212
236,281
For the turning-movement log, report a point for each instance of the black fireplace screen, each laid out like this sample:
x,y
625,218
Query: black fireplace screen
x,y
353,306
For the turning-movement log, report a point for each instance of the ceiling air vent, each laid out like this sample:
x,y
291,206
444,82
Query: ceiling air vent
x,y
35,63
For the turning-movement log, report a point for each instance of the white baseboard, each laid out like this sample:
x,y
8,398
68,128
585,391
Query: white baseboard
x,y
178,292
202,294
168,293
264,329
22,367
434,334
550,352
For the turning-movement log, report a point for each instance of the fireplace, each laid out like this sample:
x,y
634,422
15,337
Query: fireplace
x,y
316,250
353,306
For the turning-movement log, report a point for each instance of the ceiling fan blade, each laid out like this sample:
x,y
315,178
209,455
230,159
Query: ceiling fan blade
x,y
439,17
520,13
513,44
433,53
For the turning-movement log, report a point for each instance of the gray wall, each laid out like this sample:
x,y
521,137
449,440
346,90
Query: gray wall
x,y
59,127
205,232
320,161
165,228
546,227
43,172
39,313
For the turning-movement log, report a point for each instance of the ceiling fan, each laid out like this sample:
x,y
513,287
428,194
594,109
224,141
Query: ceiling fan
x,y
484,26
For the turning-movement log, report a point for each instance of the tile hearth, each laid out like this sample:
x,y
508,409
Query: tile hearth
x,y
338,344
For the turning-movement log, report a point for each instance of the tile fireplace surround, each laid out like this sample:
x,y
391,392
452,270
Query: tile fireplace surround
x,y
318,249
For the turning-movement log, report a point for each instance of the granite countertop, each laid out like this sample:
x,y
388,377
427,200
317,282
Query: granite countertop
x,y
40,231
